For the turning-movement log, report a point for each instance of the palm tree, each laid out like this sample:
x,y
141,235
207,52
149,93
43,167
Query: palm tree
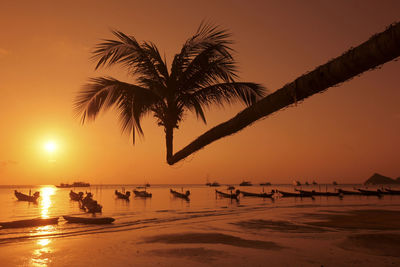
x,y
202,74
379,49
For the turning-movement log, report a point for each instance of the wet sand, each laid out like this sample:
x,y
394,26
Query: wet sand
x,y
302,236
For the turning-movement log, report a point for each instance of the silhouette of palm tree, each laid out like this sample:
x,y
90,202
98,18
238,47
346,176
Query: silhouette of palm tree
x,y
202,74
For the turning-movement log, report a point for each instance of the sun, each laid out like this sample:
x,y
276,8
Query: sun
x,y
50,146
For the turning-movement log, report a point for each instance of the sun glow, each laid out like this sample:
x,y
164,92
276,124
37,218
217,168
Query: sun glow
x,y
50,146
45,193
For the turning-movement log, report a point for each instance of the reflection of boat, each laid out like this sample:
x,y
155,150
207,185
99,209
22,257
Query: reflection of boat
x,y
249,194
180,195
142,193
75,184
122,195
23,197
75,196
226,195
29,223
245,183
87,220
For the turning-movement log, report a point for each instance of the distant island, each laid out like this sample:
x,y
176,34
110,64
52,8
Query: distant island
x,y
377,179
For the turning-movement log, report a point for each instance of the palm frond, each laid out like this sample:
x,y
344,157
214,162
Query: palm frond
x,y
101,93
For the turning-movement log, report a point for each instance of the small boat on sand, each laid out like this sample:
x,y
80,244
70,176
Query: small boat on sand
x,y
263,195
89,220
29,223
22,197
142,193
122,195
180,195
226,195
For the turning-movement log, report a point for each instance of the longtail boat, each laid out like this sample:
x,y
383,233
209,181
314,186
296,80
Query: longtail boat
x,y
22,197
315,193
290,194
142,193
87,220
29,223
371,192
347,192
90,205
122,195
226,195
263,195
75,196
392,191
180,195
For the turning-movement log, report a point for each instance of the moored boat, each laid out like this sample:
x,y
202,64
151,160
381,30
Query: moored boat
x,y
180,195
316,193
392,191
347,192
75,196
89,220
142,193
75,184
370,192
290,194
263,195
228,195
122,195
245,183
29,223
22,197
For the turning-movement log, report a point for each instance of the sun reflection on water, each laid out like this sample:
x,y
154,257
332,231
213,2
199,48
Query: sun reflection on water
x,y
46,193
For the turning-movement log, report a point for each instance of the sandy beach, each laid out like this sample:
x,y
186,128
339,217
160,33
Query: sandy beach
x,y
305,235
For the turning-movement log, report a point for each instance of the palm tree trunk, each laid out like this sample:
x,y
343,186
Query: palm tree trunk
x,y
169,135
379,49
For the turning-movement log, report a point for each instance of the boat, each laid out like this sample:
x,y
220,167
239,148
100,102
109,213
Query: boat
x,y
245,183
22,197
265,184
122,195
89,220
334,183
370,192
75,184
315,193
391,191
180,195
29,223
90,205
263,195
214,184
142,193
296,183
147,185
290,194
347,192
75,196
226,195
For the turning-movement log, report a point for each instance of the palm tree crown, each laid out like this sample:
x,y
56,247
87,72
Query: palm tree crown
x,y
203,73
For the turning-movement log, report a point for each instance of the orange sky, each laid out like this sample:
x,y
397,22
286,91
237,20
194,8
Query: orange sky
x,y
344,134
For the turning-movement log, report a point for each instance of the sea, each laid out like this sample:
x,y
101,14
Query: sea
x,y
162,208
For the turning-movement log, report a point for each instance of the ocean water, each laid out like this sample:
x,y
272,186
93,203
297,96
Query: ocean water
x,y
161,209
